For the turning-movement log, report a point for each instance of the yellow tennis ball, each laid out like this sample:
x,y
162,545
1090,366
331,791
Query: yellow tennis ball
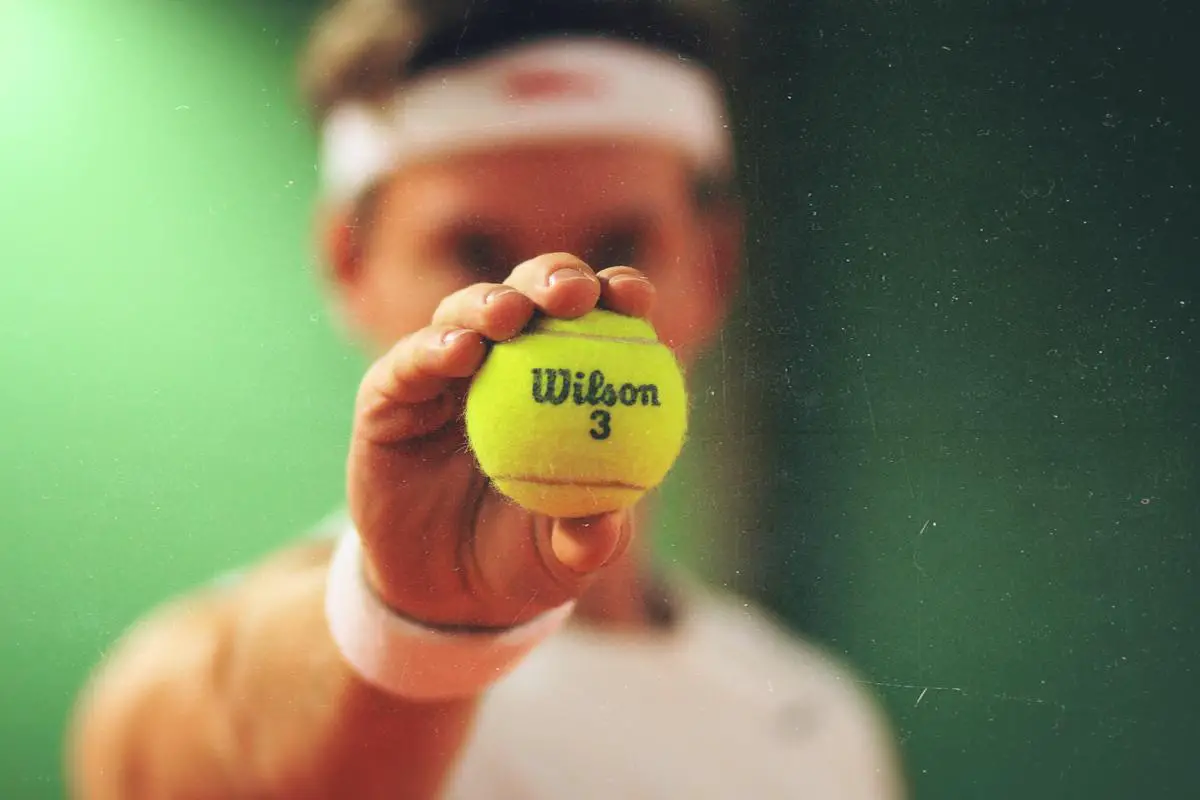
x,y
578,417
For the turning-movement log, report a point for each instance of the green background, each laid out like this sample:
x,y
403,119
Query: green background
x,y
965,362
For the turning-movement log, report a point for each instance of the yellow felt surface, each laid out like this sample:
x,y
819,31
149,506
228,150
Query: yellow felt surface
x,y
567,459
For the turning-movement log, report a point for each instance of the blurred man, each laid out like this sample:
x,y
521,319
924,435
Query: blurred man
x,y
484,162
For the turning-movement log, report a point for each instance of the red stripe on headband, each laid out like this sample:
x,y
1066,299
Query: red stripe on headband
x,y
551,84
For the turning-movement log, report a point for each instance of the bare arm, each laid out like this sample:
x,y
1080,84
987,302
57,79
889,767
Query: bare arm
x,y
240,693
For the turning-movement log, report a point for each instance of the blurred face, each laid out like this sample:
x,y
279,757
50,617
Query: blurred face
x,y
462,219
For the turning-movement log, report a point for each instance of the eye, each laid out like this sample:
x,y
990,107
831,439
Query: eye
x,y
482,254
621,246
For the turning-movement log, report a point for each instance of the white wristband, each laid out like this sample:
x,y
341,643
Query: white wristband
x,y
407,659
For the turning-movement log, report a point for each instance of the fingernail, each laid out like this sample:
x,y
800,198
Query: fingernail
x,y
567,274
451,336
625,277
497,293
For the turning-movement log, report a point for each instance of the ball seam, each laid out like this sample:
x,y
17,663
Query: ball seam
x,y
596,337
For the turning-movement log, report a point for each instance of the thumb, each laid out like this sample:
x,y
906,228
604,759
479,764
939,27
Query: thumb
x,y
584,545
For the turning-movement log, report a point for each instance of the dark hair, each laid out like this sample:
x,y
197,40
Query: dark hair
x,y
693,30
366,48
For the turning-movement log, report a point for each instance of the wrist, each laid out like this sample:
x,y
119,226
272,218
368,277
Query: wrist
x,y
422,611
407,658
448,602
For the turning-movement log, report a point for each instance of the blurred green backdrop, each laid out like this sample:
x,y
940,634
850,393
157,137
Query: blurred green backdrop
x,y
174,401
970,328
985,386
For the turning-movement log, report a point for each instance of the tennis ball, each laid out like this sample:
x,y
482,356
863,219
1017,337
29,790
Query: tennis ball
x,y
578,417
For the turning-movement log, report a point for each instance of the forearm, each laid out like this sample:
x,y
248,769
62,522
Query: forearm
x,y
242,694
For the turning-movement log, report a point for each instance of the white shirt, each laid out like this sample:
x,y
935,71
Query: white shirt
x,y
726,706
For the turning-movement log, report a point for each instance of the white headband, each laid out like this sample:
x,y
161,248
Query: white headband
x,y
545,91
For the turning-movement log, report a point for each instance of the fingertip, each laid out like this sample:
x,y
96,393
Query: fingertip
x,y
456,352
571,292
451,336
556,262
507,312
627,291
560,284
